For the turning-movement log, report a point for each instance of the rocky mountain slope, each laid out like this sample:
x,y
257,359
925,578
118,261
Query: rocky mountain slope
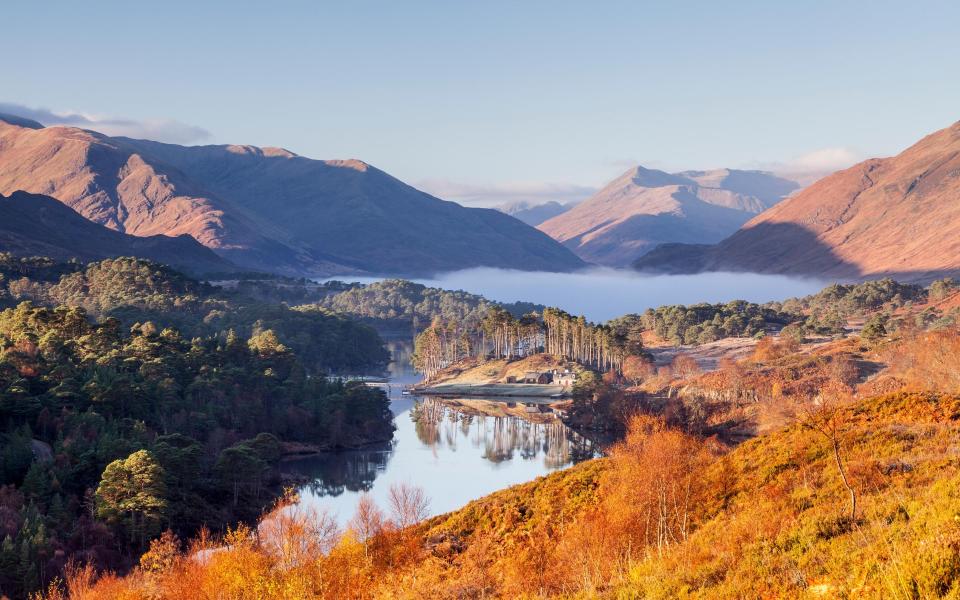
x,y
266,208
897,216
646,207
34,225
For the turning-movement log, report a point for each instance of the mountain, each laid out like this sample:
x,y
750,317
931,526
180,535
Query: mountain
x,y
646,207
267,208
896,216
534,214
34,225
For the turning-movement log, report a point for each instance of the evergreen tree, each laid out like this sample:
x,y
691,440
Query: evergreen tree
x,y
132,494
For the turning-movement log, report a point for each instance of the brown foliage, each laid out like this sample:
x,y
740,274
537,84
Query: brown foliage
x,y
654,487
928,360
769,348
685,366
636,369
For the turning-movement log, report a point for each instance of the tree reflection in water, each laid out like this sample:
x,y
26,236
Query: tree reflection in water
x,y
336,472
447,428
502,437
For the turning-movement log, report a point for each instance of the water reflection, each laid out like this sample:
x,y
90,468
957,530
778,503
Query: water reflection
x,y
445,424
456,450
337,472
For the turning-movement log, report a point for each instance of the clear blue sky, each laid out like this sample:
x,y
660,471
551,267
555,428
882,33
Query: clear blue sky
x,y
502,95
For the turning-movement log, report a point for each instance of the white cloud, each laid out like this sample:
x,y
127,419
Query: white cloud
x,y
825,159
495,194
162,130
811,166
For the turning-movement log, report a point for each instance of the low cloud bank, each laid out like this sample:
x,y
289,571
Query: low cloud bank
x,y
161,130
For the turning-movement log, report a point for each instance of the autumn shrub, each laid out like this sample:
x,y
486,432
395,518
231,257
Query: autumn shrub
x,y
635,369
770,348
928,360
653,488
684,366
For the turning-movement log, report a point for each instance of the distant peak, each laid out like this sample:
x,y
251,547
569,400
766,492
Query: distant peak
x,y
645,177
271,151
350,163
277,151
20,121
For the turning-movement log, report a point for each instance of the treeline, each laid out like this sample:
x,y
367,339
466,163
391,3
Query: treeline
x,y
502,335
109,435
856,298
406,305
885,306
135,291
704,323
826,312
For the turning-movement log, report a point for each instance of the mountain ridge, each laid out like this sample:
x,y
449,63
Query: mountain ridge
x,y
268,208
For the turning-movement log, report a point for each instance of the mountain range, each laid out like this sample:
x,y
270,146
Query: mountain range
x,y
35,225
266,208
646,207
897,216
220,208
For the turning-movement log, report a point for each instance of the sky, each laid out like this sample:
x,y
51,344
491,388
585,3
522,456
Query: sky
x,y
486,102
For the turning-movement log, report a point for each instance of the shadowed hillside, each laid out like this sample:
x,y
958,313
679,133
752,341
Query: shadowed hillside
x,y
34,225
694,258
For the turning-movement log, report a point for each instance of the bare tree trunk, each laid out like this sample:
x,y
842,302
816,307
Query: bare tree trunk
x,y
843,477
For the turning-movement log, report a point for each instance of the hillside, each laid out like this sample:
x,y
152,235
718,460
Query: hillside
x,y
895,216
645,207
267,208
35,225
905,537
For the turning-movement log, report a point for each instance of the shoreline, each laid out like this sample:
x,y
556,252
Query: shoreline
x,y
533,391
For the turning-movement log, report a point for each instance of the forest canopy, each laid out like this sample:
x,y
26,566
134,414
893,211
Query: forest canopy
x,y
134,291
87,408
406,304
134,399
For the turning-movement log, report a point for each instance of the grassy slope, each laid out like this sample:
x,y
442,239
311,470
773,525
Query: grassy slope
x,y
508,514
775,528
782,531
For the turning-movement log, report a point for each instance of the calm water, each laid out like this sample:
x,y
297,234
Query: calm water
x,y
458,457
602,294
454,457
